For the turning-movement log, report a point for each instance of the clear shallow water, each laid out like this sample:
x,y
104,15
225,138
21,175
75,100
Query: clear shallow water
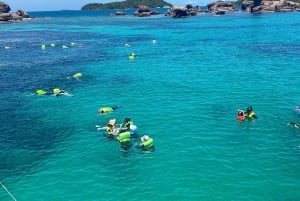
x,y
183,91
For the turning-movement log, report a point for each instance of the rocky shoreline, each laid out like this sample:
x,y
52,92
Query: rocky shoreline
x,y
7,16
222,7
251,6
218,8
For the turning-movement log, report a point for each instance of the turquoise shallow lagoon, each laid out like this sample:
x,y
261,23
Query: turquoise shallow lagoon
x,y
184,91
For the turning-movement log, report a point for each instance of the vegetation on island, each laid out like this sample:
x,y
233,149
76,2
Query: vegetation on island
x,y
126,4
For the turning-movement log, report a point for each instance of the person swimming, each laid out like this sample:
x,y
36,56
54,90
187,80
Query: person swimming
x,y
294,125
111,129
147,144
41,92
106,110
58,92
250,114
76,76
241,116
128,125
125,140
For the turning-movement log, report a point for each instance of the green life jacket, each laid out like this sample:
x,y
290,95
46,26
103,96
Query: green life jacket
x,y
106,109
147,144
124,137
40,92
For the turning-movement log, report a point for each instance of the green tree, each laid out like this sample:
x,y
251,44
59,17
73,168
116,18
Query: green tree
x,y
126,4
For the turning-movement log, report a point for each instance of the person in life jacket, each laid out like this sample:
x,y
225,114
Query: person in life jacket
x,y
111,128
124,139
41,92
77,76
106,110
58,92
250,114
294,125
128,125
241,116
147,143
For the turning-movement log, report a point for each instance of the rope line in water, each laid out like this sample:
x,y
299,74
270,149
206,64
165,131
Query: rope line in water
x,y
11,195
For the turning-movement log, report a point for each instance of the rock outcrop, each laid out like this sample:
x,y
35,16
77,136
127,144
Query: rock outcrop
x,y
221,7
270,6
178,11
4,8
144,11
7,16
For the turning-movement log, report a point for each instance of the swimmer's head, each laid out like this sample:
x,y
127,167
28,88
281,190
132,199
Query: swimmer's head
x,y
249,109
144,138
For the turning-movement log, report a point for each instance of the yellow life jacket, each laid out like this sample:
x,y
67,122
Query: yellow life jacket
x,y
124,137
251,115
105,109
147,144
56,91
77,75
40,92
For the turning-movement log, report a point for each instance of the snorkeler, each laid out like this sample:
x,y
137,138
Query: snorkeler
x,y
294,125
125,141
41,92
111,129
147,144
250,114
58,92
106,110
76,76
241,116
128,125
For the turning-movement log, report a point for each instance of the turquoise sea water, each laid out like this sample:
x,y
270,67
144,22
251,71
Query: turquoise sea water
x,y
184,91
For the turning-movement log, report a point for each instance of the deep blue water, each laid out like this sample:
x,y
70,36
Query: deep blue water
x,y
184,91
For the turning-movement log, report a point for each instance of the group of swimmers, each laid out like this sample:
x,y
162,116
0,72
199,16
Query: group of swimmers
x,y
58,91
55,92
124,132
250,115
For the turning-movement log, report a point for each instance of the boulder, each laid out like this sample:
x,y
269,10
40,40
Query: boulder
x,y
7,16
270,6
144,11
4,8
142,8
179,11
221,7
